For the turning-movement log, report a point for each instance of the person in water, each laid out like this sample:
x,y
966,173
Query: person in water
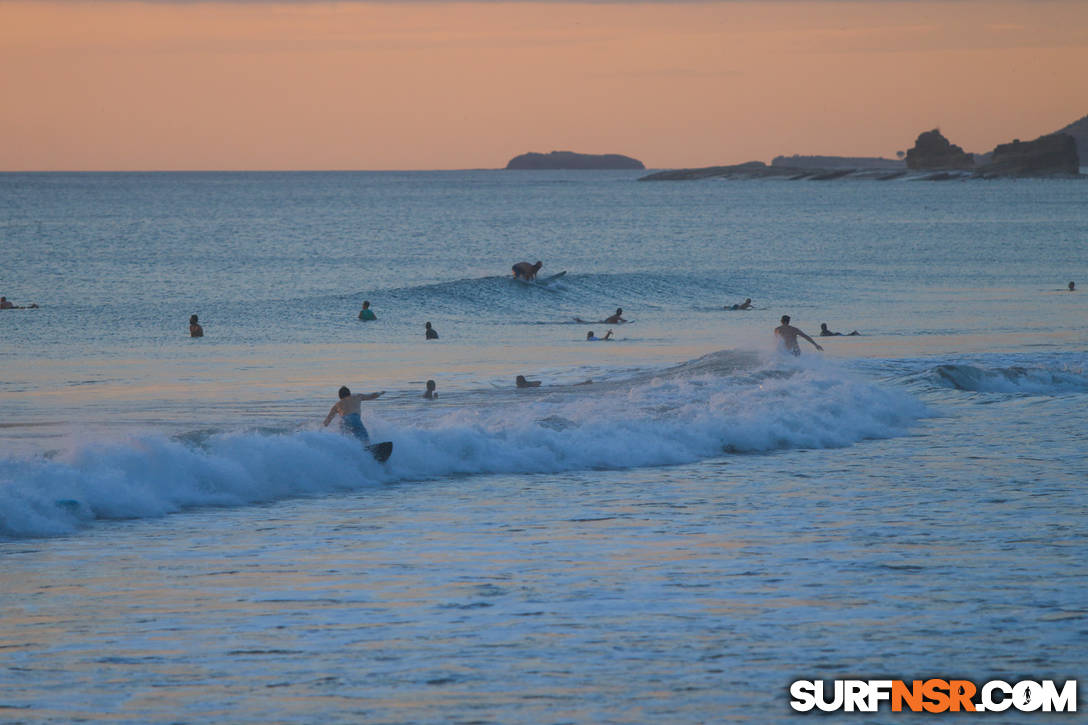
x,y
1072,287
521,382
824,332
195,330
430,394
787,336
430,332
6,304
524,270
615,319
746,305
366,314
348,409
590,337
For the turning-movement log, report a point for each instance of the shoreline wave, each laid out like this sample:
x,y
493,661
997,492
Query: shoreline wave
x,y
713,406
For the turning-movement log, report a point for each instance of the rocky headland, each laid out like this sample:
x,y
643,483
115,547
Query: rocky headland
x,y
1079,131
1051,155
837,162
932,158
572,160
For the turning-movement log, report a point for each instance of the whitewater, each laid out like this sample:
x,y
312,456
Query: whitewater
x,y
674,526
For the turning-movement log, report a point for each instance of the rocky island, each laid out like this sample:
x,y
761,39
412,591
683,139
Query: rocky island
x,y
572,160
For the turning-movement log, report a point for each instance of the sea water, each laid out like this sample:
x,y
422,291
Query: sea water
x,y
676,540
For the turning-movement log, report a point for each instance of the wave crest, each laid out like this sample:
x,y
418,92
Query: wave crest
x,y
704,409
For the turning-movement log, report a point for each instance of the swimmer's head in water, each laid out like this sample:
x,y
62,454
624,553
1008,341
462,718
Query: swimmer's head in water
x,y
366,303
1072,286
823,325
192,319
785,319
519,379
430,385
344,392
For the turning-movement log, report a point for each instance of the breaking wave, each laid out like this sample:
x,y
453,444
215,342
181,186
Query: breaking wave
x,y
1012,379
720,404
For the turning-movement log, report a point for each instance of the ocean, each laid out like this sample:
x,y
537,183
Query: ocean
x,y
673,527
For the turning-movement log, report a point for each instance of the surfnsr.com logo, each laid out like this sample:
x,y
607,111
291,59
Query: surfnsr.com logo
x,y
933,695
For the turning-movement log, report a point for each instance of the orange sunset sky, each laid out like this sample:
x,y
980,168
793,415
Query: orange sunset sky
x,y
101,85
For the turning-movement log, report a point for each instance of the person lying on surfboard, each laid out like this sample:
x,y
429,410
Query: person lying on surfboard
x,y
746,305
590,337
616,318
521,382
348,409
526,271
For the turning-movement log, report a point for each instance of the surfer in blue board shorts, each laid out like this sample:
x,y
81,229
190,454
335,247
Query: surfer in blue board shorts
x,y
787,336
348,409
526,271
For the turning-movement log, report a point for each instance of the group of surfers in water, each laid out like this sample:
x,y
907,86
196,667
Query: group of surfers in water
x,y
348,406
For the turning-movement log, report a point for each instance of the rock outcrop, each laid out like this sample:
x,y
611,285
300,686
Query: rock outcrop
x,y
1079,131
933,152
571,160
837,162
1051,155
760,170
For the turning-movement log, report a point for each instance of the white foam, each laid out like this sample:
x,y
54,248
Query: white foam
x,y
680,416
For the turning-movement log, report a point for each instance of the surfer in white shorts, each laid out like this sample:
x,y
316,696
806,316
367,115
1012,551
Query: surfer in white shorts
x,y
787,336
348,409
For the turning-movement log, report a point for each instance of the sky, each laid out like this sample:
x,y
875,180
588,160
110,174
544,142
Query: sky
x,y
295,84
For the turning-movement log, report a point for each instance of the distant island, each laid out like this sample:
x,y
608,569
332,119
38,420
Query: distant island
x,y
572,160
932,158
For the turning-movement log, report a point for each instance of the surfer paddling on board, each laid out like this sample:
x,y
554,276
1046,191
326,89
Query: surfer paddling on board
x,y
746,305
787,336
6,304
825,332
526,271
615,319
348,409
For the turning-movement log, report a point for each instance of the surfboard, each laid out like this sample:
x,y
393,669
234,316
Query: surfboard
x,y
541,282
381,451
